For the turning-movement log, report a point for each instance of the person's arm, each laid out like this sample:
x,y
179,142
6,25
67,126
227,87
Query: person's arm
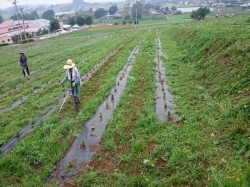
x,y
65,78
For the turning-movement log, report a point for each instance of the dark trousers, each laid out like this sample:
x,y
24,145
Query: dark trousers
x,y
26,68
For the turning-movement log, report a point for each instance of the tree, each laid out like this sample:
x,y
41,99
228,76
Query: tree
x,y
88,20
200,13
80,20
32,16
173,8
126,9
48,14
139,6
157,7
54,25
148,6
42,32
100,12
14,17
113,9
89,11
1,19
71,21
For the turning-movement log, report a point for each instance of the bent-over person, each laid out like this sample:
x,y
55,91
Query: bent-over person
x,y
73,75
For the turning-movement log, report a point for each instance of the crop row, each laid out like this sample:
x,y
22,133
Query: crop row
x,y
45,62
127,154
42,76
41,150
13,120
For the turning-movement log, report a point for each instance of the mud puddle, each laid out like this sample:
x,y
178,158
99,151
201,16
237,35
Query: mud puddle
x,y
82,150
9,145
165,108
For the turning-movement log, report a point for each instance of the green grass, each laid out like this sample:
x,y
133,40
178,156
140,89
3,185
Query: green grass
x,y
207,67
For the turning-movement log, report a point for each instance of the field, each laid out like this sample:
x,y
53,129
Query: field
x,y
161,105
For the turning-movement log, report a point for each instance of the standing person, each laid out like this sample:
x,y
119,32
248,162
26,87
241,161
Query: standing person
x,y
23,62
72,74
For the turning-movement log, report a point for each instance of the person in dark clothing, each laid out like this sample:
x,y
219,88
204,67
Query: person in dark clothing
x,y
23,62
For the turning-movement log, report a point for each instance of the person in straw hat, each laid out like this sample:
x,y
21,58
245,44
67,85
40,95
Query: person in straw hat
x,y
23,62
72,74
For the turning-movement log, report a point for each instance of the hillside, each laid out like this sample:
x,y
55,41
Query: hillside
x,y
205,65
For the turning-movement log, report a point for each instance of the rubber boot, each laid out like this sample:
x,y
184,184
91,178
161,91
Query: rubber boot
x,y
77,102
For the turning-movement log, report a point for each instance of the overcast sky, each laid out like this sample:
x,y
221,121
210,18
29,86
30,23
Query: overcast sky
x,y
9,3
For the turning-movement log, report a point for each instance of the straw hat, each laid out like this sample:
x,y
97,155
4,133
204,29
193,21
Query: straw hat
x,y
21,52
69,64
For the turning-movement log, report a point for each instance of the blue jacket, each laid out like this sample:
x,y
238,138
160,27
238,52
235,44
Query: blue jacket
x,y
23,61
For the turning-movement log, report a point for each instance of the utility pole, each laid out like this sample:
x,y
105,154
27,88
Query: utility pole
x,y
136,14
24,25
14,3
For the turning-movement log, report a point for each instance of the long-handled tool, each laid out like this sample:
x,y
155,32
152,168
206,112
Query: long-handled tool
x,y
64,101
26,74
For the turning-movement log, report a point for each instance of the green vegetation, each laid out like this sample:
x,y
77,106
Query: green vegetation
x,y
207,67
3,44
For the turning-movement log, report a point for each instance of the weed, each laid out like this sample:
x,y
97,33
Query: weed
x,y
69,165
107,106
83,142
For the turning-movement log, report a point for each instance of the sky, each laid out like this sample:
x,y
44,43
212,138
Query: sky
x,y
9,3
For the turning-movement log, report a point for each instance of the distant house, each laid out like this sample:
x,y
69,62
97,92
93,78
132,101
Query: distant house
x,y
187,10
117,15
107,17
153,12
11,28
245,6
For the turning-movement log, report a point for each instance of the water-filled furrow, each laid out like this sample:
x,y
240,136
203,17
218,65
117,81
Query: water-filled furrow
x,y
84,146
7,147
165,108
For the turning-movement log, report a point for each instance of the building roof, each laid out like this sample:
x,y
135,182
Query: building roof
x,y
38,22
6,23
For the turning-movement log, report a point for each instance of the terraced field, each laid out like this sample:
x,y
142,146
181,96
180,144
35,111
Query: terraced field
x,y
152,112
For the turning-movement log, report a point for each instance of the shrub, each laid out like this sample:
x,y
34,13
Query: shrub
x,y
3,44
28,40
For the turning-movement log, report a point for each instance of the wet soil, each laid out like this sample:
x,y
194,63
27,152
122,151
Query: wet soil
x,y
92,131
8,146
165,108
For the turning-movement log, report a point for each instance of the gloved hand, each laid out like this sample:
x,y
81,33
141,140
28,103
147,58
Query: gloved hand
x,y
61,82
73,84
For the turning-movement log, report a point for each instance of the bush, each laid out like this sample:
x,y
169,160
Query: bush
x,y
29,40
116,23
124,22
3,44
